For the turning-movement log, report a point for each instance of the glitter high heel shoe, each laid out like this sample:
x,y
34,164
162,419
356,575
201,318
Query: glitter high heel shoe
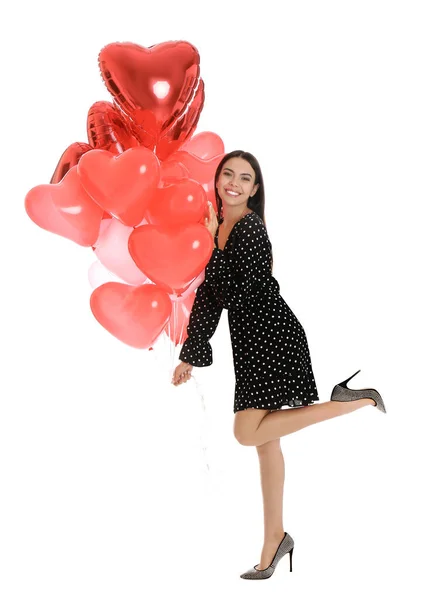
x,y
341,393
285,546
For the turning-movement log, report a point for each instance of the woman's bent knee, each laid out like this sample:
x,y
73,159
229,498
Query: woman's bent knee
x,y
268,447
246,423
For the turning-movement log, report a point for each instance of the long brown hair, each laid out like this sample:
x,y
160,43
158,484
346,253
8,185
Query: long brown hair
x,y
255,202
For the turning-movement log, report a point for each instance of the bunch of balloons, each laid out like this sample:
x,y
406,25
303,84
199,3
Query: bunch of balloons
x,y
138,192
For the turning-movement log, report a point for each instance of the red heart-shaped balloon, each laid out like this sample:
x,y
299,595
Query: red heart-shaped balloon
x,y
183,128
202,171
66,209
172,171
124,185
134,315
70,158
107,129
154,85
169,257
178,205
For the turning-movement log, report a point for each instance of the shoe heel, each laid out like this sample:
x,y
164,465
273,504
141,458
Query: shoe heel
x,y
290,559
344,383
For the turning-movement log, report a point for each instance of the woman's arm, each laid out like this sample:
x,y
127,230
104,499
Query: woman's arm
x,y
204,319
234,279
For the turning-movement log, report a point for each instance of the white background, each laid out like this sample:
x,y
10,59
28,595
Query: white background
x,y
104,487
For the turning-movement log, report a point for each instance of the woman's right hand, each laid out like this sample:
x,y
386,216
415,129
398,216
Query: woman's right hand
x,y
182,373
211,223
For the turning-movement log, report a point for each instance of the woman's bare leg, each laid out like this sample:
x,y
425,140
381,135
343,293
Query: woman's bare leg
x,y
272,471
253,427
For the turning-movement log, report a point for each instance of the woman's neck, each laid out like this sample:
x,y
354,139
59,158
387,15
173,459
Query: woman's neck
x,y
232,215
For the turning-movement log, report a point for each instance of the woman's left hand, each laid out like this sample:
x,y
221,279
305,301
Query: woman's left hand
x,y
211,222
182,373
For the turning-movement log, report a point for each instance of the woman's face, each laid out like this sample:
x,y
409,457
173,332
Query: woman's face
x,y
236,182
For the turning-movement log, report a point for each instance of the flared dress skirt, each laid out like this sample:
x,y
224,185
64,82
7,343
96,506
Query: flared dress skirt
x,y
271,357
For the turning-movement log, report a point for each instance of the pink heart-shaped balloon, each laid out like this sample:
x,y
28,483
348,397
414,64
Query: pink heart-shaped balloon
x,y
169,257
98,275
176,327
124,185
65,208
134,315
111,249
204,145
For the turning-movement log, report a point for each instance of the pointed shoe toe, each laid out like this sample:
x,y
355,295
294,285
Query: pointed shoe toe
x,y
285,546
258,573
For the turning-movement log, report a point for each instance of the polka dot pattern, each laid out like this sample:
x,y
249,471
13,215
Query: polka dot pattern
x,y
271,357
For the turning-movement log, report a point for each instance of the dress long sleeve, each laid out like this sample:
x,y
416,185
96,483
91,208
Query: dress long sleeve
x,y
236,275
204,318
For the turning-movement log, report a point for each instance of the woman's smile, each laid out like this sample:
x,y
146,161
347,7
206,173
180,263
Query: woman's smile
x,y
232,193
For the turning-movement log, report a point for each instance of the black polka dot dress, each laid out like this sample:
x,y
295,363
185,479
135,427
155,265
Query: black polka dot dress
x,y
271,357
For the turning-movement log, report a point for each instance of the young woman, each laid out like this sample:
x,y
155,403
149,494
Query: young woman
x,y
270,352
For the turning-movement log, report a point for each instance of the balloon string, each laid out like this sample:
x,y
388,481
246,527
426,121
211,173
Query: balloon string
x,y
203,426
204,414
173,333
